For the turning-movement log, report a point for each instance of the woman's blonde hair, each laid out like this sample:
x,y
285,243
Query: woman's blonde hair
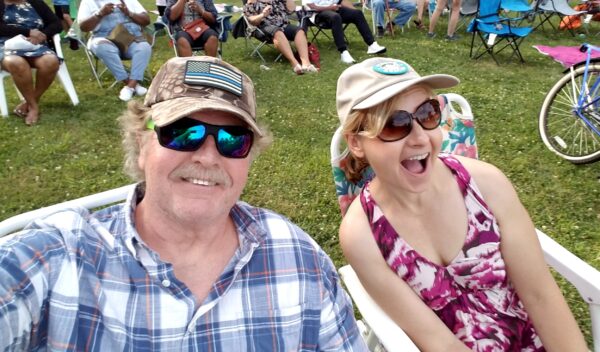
x,y
368,123
135,134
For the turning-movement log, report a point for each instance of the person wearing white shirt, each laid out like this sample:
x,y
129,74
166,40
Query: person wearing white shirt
x,y
101,17
334,13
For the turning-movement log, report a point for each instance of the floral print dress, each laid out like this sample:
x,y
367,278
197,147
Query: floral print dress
x,y
472,294
23,15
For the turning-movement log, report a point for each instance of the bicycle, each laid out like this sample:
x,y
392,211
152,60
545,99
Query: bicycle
x,y
569,121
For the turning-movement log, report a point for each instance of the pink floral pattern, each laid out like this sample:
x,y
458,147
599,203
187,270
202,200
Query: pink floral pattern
x,y
472,294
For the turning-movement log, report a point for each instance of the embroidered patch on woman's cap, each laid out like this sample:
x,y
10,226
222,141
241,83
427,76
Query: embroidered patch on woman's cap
x,y
394,67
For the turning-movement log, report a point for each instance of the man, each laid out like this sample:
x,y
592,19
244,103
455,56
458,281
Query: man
x,y
406,8
182,265
183,12
271,17
334,13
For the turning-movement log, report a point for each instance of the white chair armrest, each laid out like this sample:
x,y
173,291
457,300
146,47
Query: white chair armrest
x,y
580,274
390,335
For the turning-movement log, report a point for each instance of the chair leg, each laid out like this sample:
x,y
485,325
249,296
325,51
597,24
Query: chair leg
x,y
3,104
67,83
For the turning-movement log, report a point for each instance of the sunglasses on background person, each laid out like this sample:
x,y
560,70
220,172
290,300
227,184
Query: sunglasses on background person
x,y
187,135
400,122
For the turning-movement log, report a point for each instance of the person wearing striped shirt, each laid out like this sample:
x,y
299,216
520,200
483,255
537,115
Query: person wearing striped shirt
x,y
183,264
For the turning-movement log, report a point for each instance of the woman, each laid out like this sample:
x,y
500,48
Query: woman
x,y
271,17
101,17
452,22
36,21
467,271
183,12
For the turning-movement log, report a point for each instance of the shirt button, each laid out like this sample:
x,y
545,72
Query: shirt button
x,y
166,283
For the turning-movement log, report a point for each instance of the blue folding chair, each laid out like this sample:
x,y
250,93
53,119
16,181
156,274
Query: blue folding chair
x,y
496,32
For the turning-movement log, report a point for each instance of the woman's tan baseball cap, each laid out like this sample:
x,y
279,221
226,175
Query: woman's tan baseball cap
x,y
377,79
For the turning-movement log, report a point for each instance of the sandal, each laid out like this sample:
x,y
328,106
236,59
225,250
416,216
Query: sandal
x,y
20,111
298,69
419,24
310,69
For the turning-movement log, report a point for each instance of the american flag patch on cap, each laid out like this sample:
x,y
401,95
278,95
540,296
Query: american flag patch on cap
x,y
201,73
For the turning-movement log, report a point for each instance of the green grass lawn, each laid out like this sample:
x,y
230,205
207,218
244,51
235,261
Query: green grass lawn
x,y
75,151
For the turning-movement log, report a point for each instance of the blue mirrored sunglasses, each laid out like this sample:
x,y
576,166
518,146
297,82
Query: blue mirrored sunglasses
x,y
187,135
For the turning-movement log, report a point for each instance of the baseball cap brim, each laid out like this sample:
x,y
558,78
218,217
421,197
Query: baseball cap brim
x,y
168,111
437,81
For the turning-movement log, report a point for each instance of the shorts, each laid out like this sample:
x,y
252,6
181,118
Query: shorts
x,y
198,42
61,10
289,30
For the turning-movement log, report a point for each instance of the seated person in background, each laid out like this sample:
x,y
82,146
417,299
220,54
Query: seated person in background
x,y
101,17
334,13
63,12
181,12
183,264
406,9
440,242
34,20
271,16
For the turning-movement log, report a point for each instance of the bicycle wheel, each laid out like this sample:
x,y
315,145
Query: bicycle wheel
x,y
563,131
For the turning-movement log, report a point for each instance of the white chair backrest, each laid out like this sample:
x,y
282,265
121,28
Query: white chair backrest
x,y
17,222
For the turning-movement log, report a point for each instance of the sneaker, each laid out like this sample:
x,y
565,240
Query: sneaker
x,y
430,35
347,58
452,37
126,93
380,32
375,49
139,90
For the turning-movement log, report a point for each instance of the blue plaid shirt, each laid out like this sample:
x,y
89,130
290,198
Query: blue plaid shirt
x,y
81,281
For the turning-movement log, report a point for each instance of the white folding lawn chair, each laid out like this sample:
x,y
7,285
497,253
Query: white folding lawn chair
x,y
62,75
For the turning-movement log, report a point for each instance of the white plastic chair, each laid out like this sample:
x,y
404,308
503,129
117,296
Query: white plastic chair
x,y
381,329
17,222
63,77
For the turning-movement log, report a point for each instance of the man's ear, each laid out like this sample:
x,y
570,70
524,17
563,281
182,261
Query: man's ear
x,y
355,145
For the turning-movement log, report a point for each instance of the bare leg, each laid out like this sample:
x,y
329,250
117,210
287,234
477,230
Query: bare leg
x,y
47,67
420,9
211,46
302,47
183,47
439,7
453,17
281,43
20,72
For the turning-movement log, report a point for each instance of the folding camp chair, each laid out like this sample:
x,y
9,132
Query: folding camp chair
x,y
496,32
63,77
94,62
548,9
468,10
458,138
223,26
254,37
309,23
